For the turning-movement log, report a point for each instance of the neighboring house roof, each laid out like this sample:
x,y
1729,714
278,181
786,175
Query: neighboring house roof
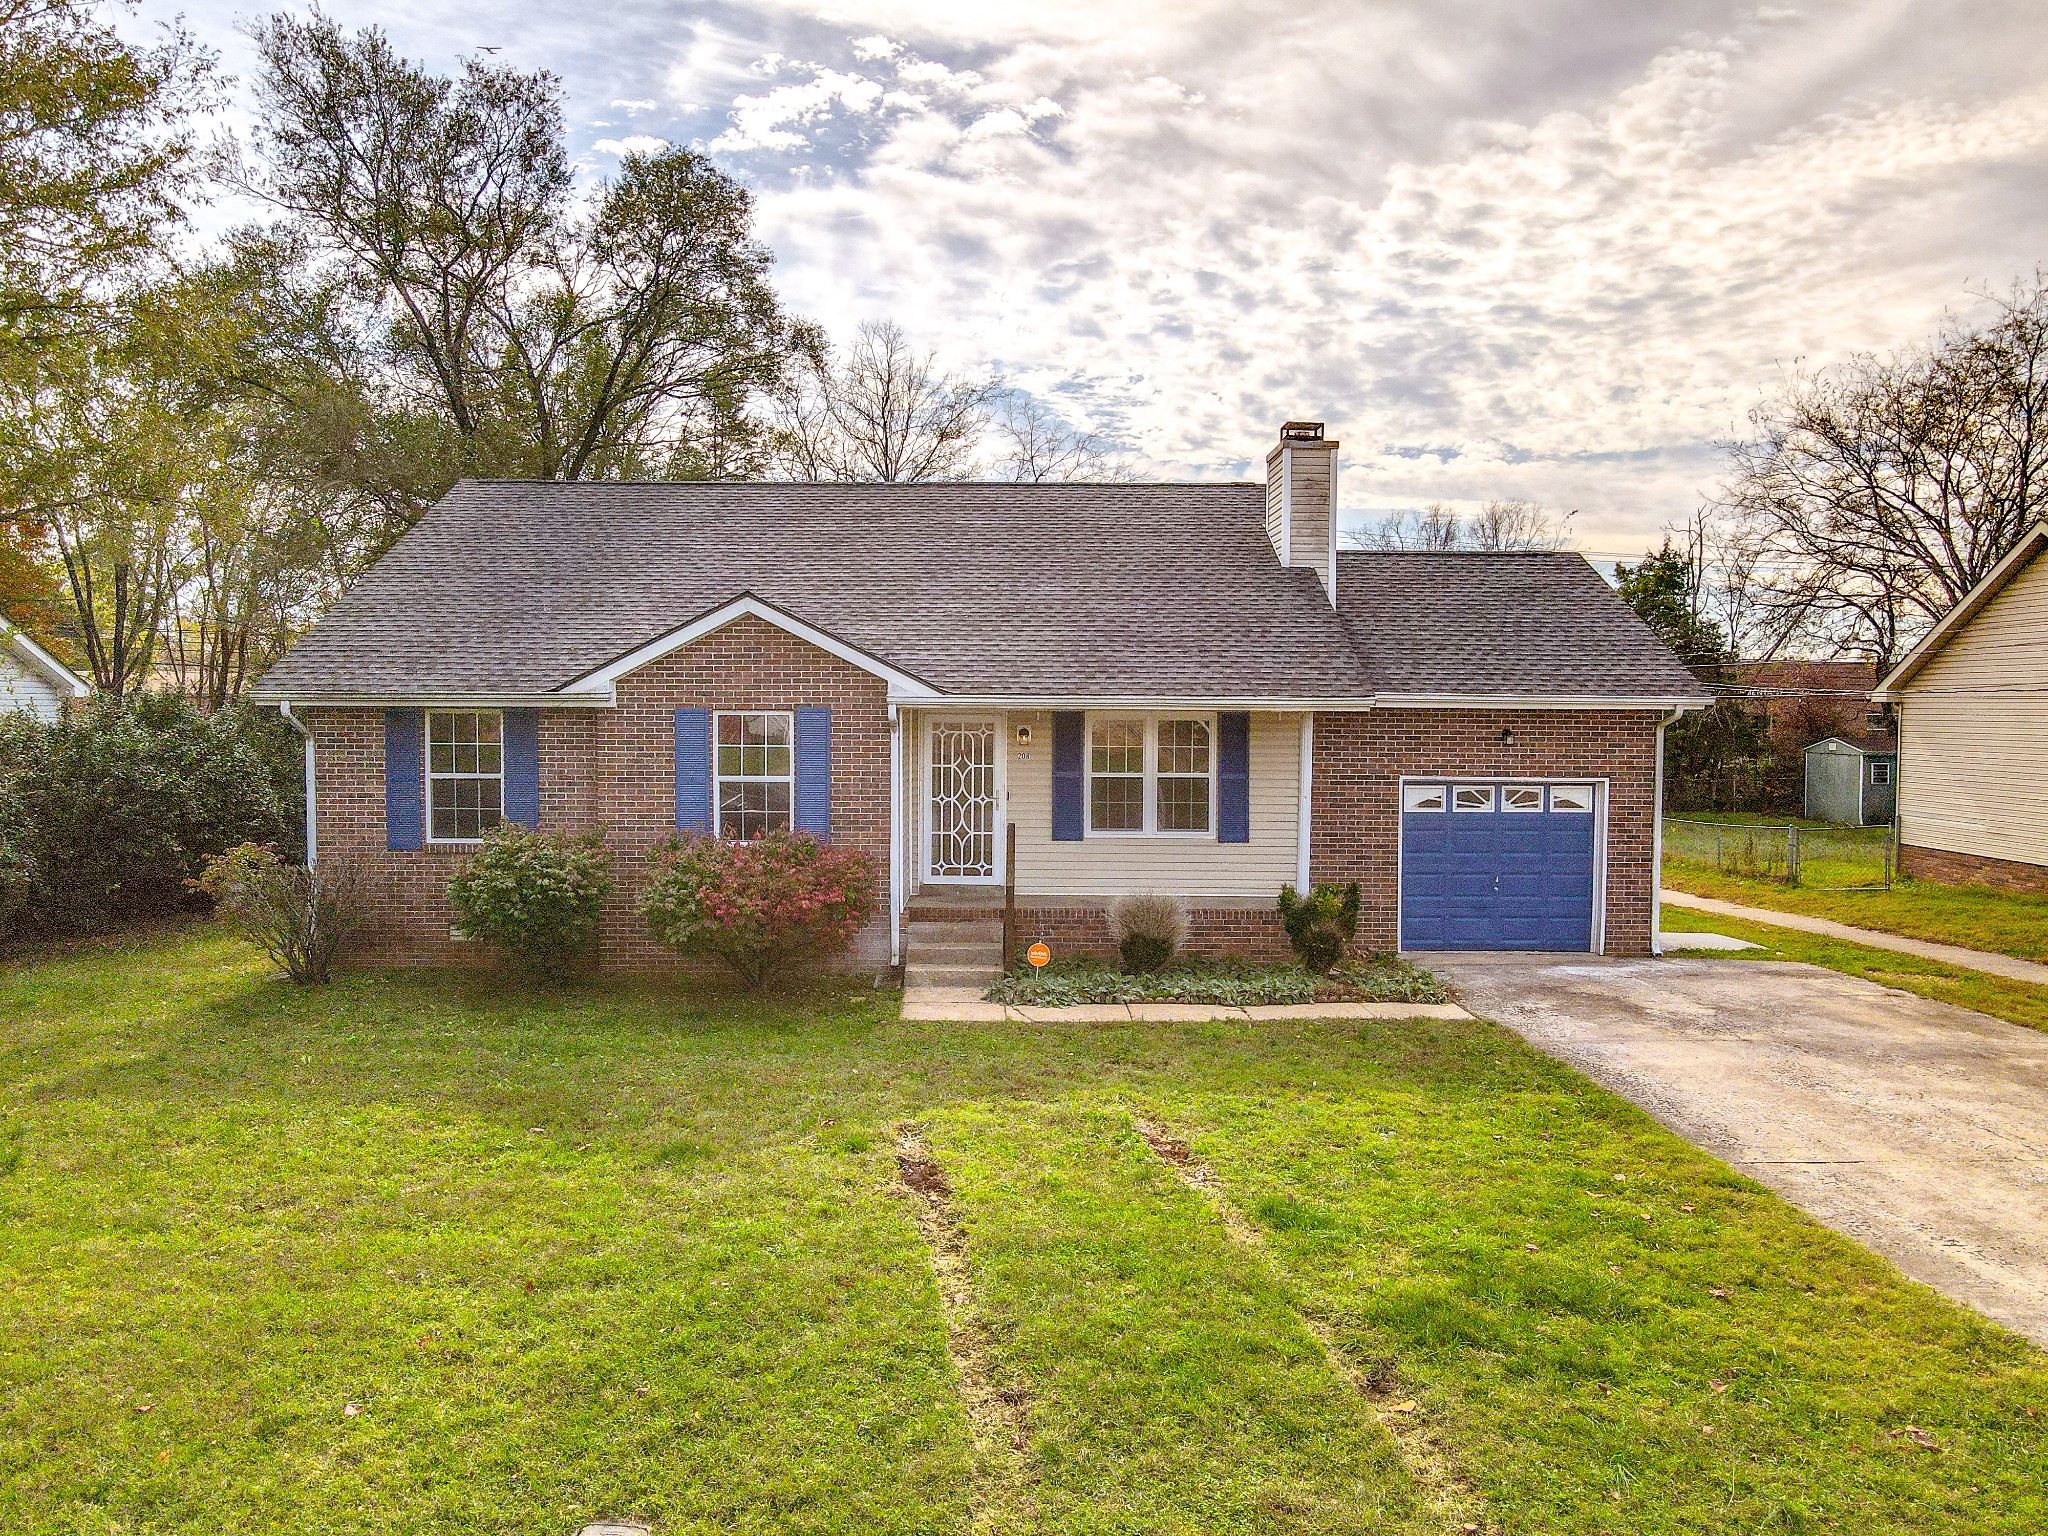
x,y
24,650
1875,744
1479,626
2017,559
522,589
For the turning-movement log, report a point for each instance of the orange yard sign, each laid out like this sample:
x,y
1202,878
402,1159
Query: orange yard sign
x,y
1038,955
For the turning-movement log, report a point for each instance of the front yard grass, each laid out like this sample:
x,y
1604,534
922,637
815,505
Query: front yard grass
x,y
434,1253
2003,922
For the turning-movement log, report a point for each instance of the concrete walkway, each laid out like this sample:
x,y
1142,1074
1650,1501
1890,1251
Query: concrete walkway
x,y
1918,1128
1948,954
966,1005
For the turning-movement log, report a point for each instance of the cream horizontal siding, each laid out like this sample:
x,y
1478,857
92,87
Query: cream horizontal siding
x,y
21,687
1181,866
1973,740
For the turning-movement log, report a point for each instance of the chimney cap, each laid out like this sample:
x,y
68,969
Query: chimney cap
x,y
1301,432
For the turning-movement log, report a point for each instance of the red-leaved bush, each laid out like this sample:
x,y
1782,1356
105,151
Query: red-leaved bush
x,y
758,906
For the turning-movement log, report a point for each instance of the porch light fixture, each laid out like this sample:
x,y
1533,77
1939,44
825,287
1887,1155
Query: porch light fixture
x,y
1023,735
1507,736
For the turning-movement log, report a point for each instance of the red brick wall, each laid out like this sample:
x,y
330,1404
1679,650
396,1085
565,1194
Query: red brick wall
x,y
1973,869
1360,760
615,769
1083,928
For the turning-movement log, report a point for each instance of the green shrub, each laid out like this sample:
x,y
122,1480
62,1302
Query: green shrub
x,y
17,878
1150,930
120,803
534,898
299,917
758,906
1321,925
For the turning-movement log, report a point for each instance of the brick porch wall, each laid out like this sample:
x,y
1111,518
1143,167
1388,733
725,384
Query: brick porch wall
x,y
1083,928
1360,760
1939,864
614,769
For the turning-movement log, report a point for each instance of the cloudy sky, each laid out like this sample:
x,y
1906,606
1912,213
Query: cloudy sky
x,y
1542,248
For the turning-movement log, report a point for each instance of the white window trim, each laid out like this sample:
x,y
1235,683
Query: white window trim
x,y
719,780
428,775
1150,720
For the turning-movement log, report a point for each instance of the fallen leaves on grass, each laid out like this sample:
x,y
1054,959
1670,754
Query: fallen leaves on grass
x,y
1719,1292
1917,1435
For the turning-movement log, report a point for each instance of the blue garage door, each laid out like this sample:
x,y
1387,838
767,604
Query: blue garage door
x,y
1497,866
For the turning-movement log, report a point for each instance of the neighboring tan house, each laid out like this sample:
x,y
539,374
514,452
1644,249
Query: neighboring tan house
x,y
1168,687
1972,700
34,680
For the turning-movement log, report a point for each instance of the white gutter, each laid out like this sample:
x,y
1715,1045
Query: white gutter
x,y
1305,812
1657,844
1285,705
449,700
895,836
284,707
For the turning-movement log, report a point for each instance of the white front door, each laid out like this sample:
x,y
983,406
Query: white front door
x,y
962,802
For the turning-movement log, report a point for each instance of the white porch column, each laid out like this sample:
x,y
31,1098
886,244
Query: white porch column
x,y
895,835
1304,812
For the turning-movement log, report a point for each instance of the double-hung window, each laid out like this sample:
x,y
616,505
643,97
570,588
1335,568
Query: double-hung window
x,y
754,773
465,773
1151,773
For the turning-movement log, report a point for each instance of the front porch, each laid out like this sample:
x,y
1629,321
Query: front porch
x,y
1064,811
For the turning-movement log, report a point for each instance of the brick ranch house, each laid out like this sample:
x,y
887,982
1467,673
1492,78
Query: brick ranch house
x,y
1175,687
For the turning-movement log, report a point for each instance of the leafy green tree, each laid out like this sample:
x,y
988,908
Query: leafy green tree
x,y
494,321
1712,757
93,153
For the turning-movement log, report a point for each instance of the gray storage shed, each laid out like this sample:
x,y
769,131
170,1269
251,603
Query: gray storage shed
x,y
1851,783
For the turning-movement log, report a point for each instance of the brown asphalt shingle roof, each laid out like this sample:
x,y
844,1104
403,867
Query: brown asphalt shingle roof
x,y
1067,591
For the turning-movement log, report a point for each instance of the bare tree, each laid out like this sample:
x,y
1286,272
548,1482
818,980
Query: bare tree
x,y
1512,524
1879,492
888,412
1038,444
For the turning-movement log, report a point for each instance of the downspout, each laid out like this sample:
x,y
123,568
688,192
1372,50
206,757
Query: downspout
x,y
284,708
1304,812
1657,844
895,836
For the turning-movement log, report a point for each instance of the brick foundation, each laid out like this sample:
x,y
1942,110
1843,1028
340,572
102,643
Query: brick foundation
x,y
1246,931
1361,758
1948,868
612,769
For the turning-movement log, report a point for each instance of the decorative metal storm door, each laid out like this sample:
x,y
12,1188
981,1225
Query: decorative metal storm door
x,y
961,829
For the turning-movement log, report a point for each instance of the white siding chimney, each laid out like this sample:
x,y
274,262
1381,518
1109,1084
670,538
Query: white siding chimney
x,y
1301,501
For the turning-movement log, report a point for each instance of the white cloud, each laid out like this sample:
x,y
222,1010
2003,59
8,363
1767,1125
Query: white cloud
x,y
636,106
763,122
632,144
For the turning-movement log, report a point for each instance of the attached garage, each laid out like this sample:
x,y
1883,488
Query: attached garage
x,y
1500,864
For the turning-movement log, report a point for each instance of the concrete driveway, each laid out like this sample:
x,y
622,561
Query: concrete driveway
x,y
1917,1128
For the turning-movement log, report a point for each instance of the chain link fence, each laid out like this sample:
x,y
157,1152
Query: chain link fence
x,y
1813,854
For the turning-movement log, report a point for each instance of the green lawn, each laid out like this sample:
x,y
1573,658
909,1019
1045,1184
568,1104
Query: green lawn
x,y
1971,916
430,1253
2013,1000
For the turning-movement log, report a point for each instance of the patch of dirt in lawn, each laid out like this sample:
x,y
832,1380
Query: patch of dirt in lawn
x,y
1377,1381
997,1409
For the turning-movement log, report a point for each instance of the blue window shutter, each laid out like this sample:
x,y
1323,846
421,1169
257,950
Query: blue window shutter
x,y
693,770
1233,778
522,767
1069,774
404,831
814,772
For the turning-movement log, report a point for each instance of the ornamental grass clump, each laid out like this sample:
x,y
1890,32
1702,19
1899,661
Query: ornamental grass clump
x,y
534,898
758,906
1150,930
299,917
1320,925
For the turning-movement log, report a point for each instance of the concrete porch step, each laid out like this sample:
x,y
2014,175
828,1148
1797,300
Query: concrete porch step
x,y
916,974
989,953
